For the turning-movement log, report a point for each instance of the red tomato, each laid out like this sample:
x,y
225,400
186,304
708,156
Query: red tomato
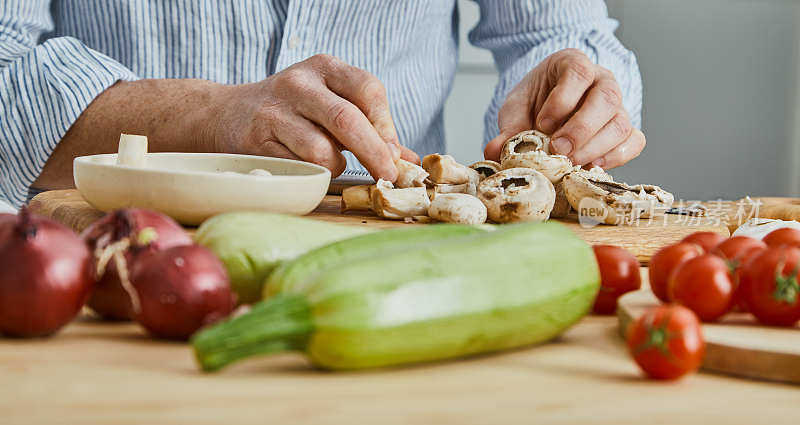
x,y
734,248
619,273
706,240
769,286
705,285
744,258
665,261
667,342
784,236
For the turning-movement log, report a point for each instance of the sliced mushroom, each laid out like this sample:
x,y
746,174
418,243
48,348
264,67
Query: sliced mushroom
x,y
467,188
614,202
485,168
444,169
517,194
531,149
356,198
457,208
398,204
409,174
561,208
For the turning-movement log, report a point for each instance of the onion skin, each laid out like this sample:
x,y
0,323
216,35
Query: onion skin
x,y
109,299
181,289
45,275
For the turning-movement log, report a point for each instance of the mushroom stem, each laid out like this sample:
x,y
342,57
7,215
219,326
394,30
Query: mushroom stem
x,y
444,169
397,204
356,198
409,174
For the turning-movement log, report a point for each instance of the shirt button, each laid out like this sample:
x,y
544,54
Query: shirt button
x,y
293,42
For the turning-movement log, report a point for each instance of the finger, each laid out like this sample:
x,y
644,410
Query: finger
x,y
624,152
602,102
365,91
614,133
409,155
275,149
574,75
515,115
352,129
306,140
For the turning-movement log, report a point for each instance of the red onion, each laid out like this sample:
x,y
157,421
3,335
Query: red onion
x,y
180,290
45,275
120,237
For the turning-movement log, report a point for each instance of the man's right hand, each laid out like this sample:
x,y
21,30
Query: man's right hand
x,y
311,111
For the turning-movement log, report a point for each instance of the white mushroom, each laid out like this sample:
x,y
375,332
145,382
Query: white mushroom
x,y
132,150
561,208
531,149
356,198
485,168
259,172
409,174
468,188
398,204
457,208
444,169
613,202
517,194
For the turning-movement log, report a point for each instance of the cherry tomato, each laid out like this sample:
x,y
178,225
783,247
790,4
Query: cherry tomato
x,y
769,286
706,240
619,273
734,248
784,236
744,258
665,261
667,342
705,285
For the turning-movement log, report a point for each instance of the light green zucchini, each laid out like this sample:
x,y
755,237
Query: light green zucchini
x,y
293,276
519,285
253,244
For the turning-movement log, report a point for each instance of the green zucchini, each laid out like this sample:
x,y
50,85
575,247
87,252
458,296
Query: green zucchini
x,y
293,275
253,244
519,285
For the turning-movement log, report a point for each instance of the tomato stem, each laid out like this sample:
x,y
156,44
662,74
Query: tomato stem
x,y
786,287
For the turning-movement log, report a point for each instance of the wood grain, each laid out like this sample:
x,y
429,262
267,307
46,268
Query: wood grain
x,y
643,240
736,344
106,373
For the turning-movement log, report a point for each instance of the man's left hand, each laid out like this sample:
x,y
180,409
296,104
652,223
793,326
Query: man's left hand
x,y
579,103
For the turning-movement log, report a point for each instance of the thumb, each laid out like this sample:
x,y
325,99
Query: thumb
x,y
493,148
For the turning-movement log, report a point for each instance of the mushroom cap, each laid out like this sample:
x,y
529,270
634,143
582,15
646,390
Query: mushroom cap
x,y
531,149
486,168
457,208
561,208
517,194
614,202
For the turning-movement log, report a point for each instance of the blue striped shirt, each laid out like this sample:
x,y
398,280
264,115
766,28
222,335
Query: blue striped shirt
x,y
57,56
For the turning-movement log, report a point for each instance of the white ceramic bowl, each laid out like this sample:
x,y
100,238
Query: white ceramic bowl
x,y
191,187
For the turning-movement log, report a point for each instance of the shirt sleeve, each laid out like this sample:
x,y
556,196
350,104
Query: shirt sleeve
x,y
43,90
521,34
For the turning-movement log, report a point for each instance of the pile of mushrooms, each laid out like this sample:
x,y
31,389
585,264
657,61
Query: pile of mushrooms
x,y
529,184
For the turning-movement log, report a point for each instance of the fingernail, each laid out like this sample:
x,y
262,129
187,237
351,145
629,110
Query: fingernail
x,y
562,146
600,162
547,125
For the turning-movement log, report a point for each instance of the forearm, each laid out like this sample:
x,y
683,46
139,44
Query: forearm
x,y
173,114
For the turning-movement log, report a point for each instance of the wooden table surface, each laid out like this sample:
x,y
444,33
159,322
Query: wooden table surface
x,y
111,373
102,373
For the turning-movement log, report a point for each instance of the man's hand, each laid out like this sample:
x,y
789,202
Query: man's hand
x,y
579,103
311,111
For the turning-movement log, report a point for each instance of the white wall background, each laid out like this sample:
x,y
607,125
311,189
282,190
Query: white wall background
x,y
722,102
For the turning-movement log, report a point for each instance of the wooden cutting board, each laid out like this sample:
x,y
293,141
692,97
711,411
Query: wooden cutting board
x,y
735,345
643,240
